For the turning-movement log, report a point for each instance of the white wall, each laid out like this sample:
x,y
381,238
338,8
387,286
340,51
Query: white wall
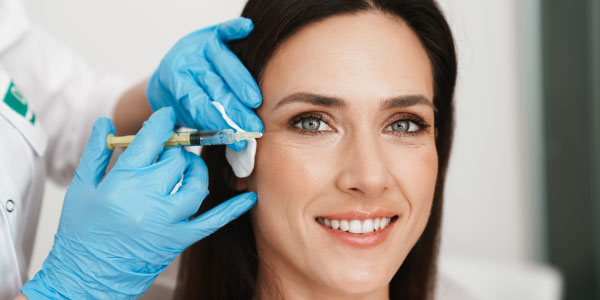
x,y
492,205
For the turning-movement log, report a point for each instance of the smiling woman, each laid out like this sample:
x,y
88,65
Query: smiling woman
x,y
357,107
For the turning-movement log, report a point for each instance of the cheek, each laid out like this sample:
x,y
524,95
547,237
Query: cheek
x,y
285,169
416,176
287,163
419,174
287,177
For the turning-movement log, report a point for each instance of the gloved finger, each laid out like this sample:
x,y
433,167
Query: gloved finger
x,y
235,29
219,216
149,142
156,93
96,155
233,71
205,115
185,81
169,169
240,114
194,188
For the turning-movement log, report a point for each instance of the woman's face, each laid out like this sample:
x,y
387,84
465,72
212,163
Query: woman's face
x,y
349,145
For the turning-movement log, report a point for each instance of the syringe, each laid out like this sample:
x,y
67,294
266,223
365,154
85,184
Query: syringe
x,y
191,138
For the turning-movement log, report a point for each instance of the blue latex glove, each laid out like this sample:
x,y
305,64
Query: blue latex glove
x,y
118,233
200,69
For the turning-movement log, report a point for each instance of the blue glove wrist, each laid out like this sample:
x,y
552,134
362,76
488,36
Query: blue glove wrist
x,y
67,264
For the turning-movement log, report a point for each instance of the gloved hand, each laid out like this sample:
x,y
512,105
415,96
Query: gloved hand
x,y
118,233
200,69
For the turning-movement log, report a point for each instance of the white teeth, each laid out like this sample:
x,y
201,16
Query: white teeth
x,y
367,226
356,226
335,224
344,226
384,222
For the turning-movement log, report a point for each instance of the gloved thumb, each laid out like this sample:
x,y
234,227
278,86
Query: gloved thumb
x,y
96,155
235,29
219,216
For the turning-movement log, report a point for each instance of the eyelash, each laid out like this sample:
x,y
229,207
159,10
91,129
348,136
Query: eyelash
x,y
399,117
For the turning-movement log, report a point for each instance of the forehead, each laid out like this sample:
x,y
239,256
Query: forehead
x,y
361,56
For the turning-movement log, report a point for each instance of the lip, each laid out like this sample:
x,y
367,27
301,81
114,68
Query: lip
x,y
361,241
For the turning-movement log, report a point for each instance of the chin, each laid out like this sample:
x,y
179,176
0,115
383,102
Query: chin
x,y
354,282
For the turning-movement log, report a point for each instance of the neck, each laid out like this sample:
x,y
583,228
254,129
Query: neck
x,y
289,287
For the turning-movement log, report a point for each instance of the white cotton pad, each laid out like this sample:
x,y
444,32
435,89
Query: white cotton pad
x,y
241,162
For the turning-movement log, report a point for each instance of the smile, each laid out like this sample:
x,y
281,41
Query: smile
x,y
358,229
357,226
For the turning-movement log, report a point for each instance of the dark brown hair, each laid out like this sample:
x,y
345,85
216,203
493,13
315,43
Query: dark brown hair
x,y
224,265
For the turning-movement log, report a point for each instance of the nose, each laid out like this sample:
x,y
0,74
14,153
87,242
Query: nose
x,y
363,169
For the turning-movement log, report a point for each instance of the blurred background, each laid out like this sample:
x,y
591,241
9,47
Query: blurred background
x,y
521,211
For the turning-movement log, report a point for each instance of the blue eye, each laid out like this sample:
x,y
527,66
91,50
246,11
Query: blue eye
x,y
403,126
313,124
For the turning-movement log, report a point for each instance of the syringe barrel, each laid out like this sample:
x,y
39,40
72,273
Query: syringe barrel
x,y
213,137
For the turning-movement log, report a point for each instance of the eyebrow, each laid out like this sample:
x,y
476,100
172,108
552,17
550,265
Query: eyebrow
x,y
326,101
313,99
406,101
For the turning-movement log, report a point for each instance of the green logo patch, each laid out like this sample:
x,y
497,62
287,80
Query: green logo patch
x,y
15,100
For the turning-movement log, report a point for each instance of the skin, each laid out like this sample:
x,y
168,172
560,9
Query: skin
x,y
132,110
355,162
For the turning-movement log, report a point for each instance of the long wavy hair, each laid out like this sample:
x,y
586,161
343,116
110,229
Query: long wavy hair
x,y
225,264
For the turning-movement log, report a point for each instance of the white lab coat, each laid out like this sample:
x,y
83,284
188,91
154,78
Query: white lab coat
x,y
65,97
